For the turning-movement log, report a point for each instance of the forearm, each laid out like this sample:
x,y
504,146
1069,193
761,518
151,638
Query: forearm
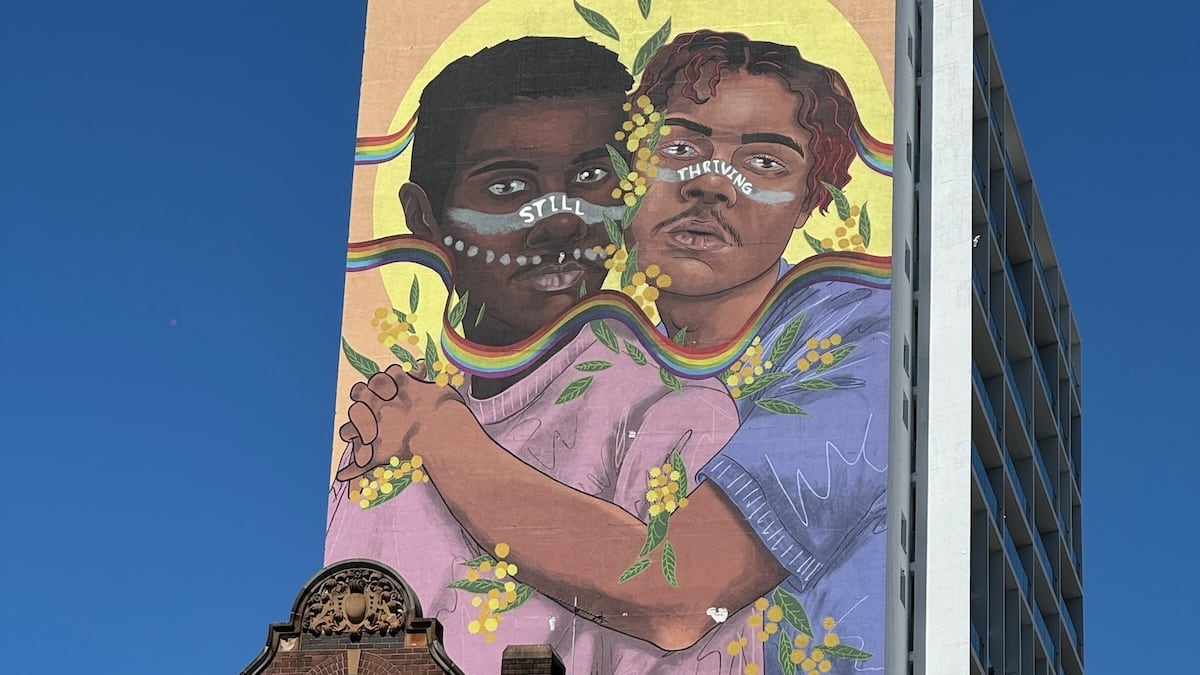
x,y
573,546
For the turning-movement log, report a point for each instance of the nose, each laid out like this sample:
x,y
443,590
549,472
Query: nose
x,y
711,189
556,231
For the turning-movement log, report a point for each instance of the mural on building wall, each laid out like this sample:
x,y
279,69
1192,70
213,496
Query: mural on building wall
x,y
616,330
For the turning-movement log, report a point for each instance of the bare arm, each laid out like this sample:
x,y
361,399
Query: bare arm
x,y
497,497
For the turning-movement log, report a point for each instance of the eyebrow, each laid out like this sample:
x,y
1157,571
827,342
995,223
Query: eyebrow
x,y
594,153
505,164
688,124
765,137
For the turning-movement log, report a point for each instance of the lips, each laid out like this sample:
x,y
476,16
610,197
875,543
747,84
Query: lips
x,y
551,277
697,234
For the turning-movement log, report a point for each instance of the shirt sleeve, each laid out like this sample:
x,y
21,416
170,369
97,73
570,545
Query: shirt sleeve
x,y
696,421
808,466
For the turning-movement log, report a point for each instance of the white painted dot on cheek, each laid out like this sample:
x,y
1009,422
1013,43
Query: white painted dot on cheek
x,y
472,251
458,245
504,259
521,260
536,260
489,256
449,241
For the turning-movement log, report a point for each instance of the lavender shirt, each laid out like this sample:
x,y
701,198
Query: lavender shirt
x,y
814,485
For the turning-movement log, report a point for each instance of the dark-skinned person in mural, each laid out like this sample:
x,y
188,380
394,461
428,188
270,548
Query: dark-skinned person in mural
x,y
511,176
790,512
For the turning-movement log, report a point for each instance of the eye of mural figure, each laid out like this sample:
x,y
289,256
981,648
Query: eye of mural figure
x,y
679,150
766,164
506,188
590,176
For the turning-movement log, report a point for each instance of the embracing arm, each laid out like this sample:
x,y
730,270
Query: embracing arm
x,y
497,497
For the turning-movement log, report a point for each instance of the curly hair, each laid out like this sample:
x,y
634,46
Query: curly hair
x,y
696,61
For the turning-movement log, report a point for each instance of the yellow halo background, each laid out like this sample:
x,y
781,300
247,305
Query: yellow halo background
x,y
818,29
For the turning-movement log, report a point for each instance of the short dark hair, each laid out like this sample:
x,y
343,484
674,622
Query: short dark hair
x,y
525,68
826,109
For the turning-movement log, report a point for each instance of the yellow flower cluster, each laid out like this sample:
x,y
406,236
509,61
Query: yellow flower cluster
x,y
644,288
844,239
394,333
633,184
663,490
493,603
386,482
752,364
642,120
814,662
820,352
445,373
617,258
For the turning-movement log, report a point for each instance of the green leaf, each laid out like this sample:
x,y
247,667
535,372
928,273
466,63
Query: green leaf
x,y
477,586
582,287
398,486
633,570
783,650
656,532
644,5
815,384
762,382
630,267
403,355
459,310
431,353
655,136
839,355
650,47
574,390
361,363
618,162
479,560
668,564
793,611
635,354
677,465
786,340
668,378
524,593
846,652
479,316
614,232
839,200
414,295
593,366
864,225
815,243
778,405
605,335
630,212
400,315
680,337
597,21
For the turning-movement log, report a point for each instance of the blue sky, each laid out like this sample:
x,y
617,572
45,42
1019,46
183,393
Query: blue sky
x,y
174,191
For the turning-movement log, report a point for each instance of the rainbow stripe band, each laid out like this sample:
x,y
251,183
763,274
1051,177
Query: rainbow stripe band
x,y
873,152
487,361
380,149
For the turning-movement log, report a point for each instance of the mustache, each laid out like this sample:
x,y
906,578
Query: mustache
x,y
701,213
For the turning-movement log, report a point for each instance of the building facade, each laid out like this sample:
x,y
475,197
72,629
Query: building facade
x,y
894,425
1005,448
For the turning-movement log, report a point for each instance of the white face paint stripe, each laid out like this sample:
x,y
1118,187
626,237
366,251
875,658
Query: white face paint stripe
x,y
530,214
722,168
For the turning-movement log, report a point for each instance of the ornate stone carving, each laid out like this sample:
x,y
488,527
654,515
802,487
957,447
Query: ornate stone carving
x,y
354,601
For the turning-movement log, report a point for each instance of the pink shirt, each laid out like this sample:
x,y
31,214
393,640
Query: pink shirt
x,y
602,443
